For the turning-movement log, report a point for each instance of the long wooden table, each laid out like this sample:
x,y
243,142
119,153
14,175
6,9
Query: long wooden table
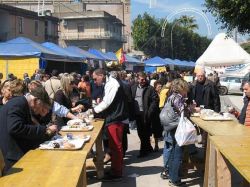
x,y
54,167
235,150
217,128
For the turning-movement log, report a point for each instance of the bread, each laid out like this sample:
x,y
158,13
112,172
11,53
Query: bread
x,y
68,145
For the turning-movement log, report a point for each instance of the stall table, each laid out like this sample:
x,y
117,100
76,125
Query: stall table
x,y
217,128
236,151
56,167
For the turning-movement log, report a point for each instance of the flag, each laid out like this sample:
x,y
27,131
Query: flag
x,y
120,56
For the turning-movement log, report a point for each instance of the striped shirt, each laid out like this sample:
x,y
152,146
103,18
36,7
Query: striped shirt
x,y
247,119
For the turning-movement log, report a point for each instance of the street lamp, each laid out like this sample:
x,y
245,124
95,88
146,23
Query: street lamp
x,y
172,49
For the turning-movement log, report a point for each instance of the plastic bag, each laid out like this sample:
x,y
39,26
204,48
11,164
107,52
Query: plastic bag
x,y
185,133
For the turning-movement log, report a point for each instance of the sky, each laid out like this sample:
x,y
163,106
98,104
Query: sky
x,y
173,9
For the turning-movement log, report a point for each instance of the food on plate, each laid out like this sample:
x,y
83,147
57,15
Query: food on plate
x,y
74,126
68,145
55,145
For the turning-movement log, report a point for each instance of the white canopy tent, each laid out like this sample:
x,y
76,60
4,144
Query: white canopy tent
x,y
223,51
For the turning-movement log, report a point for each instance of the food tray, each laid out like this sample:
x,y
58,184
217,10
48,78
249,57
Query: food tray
x,y
217,118
79,128
78,142
196,114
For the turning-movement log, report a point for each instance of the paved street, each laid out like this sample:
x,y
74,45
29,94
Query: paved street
x,y
146,171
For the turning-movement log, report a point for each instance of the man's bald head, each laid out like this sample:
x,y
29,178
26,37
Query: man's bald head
x,y
200,75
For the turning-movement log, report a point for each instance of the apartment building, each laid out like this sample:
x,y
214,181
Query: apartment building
x,y
17,22
119,8
91,29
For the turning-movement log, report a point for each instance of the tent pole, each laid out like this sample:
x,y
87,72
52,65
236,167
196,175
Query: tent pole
x,y
7,68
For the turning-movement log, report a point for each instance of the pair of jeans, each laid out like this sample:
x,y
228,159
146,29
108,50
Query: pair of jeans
x,y
166,154
175,161
115,132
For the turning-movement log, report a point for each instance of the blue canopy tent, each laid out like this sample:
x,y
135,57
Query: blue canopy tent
x,y
82,52
128,58
73,62
69,55
157,62
112,56
99,54
150,69
133,60
22,55
191,63
21,46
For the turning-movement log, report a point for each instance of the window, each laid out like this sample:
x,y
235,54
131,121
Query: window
x,y
36,27
234,80
127,9
20,24
80,27
106,27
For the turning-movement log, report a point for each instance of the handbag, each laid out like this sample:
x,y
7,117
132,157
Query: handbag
x,y
168,117
185,133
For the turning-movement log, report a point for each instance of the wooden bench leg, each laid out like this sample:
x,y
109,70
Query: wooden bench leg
x,y
99,157
209,176
223,174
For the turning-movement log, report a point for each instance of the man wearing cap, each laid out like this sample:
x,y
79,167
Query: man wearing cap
x,y
18,134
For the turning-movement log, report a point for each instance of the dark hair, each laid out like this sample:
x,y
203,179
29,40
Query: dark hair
x,y
41,94
85,78
142,74
156,83
100,72
54,72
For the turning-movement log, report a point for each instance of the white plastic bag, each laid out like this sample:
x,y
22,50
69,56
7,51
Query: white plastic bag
x,y
185,133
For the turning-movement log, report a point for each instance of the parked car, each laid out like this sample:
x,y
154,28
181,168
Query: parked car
x,y
230,84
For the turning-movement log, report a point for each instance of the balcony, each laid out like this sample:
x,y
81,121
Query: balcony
x,y
92,36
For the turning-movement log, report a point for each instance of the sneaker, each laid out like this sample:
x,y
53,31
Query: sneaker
x,y
112,178
164,175
178,183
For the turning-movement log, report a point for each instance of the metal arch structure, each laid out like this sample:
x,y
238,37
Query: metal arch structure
x,y
40,7
169,17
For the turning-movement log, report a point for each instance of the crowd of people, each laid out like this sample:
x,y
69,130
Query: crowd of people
x,y
34,108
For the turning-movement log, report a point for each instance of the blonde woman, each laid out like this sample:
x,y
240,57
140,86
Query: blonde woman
x,y
62,96
172,153
11,89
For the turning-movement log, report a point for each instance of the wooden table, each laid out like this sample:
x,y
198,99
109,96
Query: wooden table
x,y
224,128
217,128
235,150
56,168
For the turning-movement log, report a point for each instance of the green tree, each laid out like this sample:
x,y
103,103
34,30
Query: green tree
x,y
144,32
187,45
246,46
232,13
188,22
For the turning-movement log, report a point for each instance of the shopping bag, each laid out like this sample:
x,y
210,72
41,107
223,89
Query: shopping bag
x,y
185,133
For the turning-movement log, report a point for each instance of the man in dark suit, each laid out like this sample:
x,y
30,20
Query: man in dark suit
x,y
146,103
204,92
18,134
